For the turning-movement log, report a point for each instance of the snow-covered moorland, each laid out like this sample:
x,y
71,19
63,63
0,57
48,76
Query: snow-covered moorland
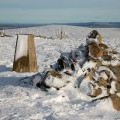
x,y
30,103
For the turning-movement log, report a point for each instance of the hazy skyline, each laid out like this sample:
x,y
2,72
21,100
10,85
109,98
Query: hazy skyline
x,y
59,11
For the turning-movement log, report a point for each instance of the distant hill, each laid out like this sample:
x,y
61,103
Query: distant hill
x,y
88,24
97,24
12,26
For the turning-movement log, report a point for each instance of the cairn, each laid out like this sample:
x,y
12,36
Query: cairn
x,y
107,69
95,62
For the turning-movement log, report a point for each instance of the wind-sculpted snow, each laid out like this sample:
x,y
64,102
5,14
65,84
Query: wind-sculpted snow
x,y
30,103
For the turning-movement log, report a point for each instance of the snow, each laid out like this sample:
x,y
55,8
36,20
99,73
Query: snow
x,y
103,75
22,46
90,64
113,89
101,68
30,103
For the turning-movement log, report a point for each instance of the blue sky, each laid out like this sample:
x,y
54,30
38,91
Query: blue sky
x,y
59,11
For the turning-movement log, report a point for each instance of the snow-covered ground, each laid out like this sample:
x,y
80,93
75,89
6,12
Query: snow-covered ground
x,y
29,103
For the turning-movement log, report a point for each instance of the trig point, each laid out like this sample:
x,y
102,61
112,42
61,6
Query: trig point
x,y
25,54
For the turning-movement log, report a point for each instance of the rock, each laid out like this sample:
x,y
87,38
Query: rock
x,y
96,92
94,50
94,36
115,70
116,101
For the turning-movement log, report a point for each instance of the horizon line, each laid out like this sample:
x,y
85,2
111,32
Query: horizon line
x,y
58,23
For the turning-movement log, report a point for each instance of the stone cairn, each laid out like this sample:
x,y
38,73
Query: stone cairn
x,y
107,69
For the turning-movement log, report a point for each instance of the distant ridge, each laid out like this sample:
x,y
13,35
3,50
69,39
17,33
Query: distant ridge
x,y
97,24
88,24
14,25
